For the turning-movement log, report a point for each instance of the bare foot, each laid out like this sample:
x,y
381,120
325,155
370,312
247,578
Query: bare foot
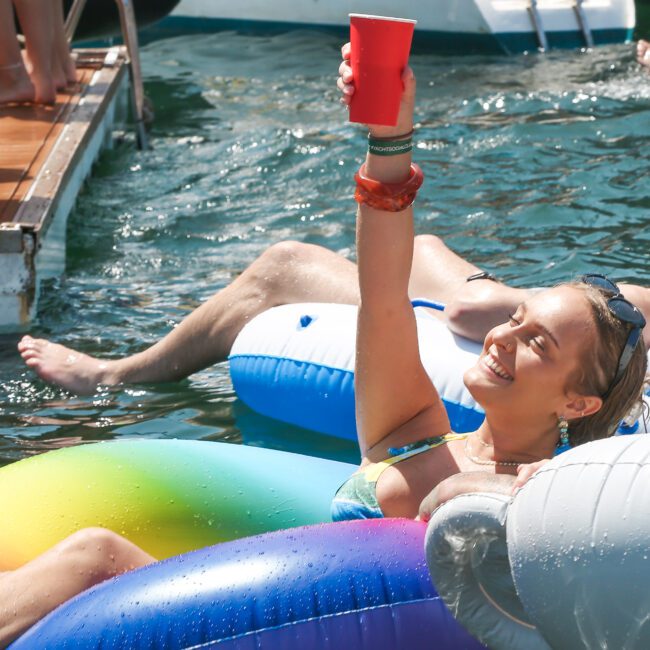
x,y
58,76
15,86
74,371
45,90
67,65
643,53
44,86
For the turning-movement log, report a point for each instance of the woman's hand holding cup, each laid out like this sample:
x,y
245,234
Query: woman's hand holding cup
x,y
378,87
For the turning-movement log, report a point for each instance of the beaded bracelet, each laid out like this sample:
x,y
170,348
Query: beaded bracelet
x,y
389,197
401,136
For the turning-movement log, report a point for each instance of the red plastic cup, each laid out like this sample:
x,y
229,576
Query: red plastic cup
x,y
380,52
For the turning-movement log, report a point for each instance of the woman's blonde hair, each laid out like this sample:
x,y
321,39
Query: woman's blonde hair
x,y
598,367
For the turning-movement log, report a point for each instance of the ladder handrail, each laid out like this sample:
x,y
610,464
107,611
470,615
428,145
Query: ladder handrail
x,y
536,19
130,37
582,23
72,19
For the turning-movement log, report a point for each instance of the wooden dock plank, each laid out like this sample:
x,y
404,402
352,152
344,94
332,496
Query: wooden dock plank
x,y
45,155
27,134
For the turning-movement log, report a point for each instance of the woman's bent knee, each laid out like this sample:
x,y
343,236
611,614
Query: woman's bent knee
x,y
424,244
92,552
287,252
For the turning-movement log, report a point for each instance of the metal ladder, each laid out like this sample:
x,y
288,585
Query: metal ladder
x,y
130,36
582,22
579,11
536,19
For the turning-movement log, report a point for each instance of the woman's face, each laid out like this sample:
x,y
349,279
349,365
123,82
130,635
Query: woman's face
x,y
527,363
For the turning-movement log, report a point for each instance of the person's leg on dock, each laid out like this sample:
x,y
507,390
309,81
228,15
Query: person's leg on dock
x,y
15,84
62,54
80,561
35,17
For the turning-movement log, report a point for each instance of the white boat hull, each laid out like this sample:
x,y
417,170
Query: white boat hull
x,y
506,24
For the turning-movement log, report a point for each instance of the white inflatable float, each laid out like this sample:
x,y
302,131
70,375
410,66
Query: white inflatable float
x,y
295,363
564,564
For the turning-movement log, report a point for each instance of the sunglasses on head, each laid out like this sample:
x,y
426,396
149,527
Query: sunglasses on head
x,y
625,312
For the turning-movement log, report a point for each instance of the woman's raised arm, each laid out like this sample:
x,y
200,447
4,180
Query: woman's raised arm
x,y
393,391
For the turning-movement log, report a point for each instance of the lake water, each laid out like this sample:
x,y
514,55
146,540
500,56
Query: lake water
x,y
536,165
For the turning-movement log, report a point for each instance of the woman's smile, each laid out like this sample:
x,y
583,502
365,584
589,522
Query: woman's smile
x,y
495,368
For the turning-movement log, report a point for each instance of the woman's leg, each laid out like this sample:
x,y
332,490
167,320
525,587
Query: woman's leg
x,y
474,308
15,85
73,565
61,45
35,18
288,272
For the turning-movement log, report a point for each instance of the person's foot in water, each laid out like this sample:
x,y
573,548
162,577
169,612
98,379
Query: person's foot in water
x,y
74,371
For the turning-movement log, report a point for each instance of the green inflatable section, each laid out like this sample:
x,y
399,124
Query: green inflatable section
x,y
167,496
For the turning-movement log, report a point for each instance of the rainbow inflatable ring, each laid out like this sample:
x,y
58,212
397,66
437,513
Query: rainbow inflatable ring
x,y
358,585
247,558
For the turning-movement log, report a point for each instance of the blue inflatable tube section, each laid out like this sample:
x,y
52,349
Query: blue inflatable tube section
x,y
295,363
359,585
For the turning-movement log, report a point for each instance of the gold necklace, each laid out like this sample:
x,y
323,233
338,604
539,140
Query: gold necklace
x,y
485,461
482,442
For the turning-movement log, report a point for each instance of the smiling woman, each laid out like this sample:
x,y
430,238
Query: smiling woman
x,y
573,331
564,369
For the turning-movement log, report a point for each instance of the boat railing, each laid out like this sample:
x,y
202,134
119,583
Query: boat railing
x,y
581,16
582,21
130,37
536,19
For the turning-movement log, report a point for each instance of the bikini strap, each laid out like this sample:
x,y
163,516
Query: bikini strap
x,y
398,454
429,443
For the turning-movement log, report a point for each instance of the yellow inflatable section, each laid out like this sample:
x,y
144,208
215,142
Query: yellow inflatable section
x,y
166,496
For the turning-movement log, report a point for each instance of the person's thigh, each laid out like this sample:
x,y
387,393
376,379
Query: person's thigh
x,y
437,272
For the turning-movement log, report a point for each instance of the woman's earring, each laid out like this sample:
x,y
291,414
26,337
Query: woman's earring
x,y
563,426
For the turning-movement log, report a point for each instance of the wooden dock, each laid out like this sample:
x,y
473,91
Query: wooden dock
x,y
45,155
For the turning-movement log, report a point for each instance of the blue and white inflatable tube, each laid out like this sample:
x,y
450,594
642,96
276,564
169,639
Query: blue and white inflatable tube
x,y
359,585
295,363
